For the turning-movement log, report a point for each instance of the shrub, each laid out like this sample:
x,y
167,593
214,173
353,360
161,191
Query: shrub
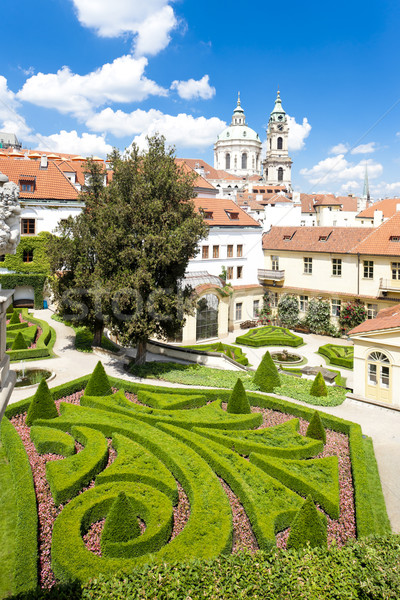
x,y
269,336
121,524
318,317
308,527
98,384
266,377
338,355
238,403
288,310
52,441
42,405
14,318
315,428
10,309
318,387
352,314
19,343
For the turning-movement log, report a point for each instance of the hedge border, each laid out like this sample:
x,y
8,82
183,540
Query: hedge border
x,y
44,344
48,440
328,353
269,339
26,531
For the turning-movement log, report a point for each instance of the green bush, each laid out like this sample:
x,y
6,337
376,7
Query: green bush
x,y
288,310
266,377
342,356
232,352
44,343
14,320
26,531
42,405
68,476
121,524
52,441
318,387
315,428
308,528
19,343
238,403
168,401
98,384
269,336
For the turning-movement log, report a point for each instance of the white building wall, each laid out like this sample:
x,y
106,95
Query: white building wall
x,y
47,216
251,259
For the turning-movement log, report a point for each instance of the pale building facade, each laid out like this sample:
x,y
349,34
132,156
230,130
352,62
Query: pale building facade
x,y
278,164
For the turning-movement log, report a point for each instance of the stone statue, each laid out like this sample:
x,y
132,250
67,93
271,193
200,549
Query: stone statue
x,y
10,215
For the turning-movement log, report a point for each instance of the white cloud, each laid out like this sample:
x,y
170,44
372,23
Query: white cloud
x,y
150,21
364,148
298,132
385,190
192,89
183,130
351,186
122,80
339,149
70,142
10,120
338,169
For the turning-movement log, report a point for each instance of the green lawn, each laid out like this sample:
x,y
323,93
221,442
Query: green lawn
x,y
7,526
292,387
84,337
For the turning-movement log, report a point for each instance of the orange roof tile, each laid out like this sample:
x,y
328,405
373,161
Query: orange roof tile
x,y
224,213
50,183
340,240
384,240
387,206
387,318
200,182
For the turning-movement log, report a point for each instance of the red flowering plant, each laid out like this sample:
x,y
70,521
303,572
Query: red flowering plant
x,y
352,314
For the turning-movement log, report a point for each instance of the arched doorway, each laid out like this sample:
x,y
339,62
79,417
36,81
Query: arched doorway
x,y
379,377
207,317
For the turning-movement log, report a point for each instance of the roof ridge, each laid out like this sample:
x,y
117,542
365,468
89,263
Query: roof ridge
x,y
65,177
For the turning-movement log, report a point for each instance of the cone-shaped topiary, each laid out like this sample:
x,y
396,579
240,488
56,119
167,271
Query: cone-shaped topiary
x,y
98,384
42,405
121,523
238,403
19,343
318,387
266,376
10,309
315,428
14,318
220,348
309,526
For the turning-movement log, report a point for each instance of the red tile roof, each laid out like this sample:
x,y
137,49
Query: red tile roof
x,y
211,173
379,240
387,206
221,209
200,182
340,240
387,318
50,182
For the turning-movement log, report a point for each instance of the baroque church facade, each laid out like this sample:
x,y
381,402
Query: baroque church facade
x,y
238,149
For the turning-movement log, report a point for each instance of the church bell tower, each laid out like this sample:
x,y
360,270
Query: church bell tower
x,y
278,164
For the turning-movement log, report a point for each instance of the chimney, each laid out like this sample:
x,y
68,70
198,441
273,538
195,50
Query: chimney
x,y
43,161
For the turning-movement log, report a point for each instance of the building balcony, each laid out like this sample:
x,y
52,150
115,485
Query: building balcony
x,y
270,275
389,285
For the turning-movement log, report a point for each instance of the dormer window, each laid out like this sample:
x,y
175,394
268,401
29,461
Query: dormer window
x,y
234,216
27,184
324,238
287,236
394,238
208,214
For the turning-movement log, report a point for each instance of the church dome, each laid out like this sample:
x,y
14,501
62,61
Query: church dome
x,y
238,132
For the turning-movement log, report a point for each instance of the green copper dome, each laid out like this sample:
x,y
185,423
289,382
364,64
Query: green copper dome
x,y
238,130
278,114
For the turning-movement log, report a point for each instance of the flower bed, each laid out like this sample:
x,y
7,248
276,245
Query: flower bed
x,y
170,472
342,356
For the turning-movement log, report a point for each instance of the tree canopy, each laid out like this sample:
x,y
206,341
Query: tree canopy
x,y
132,244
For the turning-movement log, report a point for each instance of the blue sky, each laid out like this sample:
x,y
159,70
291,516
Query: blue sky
x,y
82,76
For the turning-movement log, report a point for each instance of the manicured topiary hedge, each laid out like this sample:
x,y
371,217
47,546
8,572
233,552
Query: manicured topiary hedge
x,y
269,336
52,441
26,532
343,356
230,351
44,343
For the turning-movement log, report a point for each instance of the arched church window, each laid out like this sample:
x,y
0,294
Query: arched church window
x,y
266,173
280,174
280,143
235,162
227,161
270,143
244,160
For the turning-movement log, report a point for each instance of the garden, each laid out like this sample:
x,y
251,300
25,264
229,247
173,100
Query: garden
x,y
230,351
28,338
114,476
269,336
343,356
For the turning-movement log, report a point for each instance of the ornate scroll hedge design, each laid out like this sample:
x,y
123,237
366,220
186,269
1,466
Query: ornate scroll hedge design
x,y
269,336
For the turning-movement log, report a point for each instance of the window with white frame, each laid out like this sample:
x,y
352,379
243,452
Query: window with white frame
x,y
238,311
372,369
395,270
372,311
337,267
256,308
368,269
303,303
335,306
274,299
275,263
308,265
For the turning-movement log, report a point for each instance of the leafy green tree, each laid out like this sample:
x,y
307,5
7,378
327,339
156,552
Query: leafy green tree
x,y
288,310
352,314
149,230
318,317
81,294
266,309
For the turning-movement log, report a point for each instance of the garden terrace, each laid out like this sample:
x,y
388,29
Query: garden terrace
x,y
38,337
231,351
269,336
169,458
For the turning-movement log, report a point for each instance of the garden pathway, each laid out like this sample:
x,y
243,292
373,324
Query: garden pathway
x,y
381,424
